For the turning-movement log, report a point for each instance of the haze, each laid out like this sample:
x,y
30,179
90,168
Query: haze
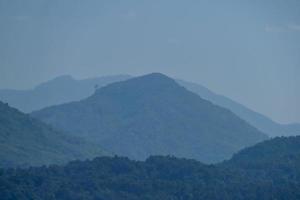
x,y
246,50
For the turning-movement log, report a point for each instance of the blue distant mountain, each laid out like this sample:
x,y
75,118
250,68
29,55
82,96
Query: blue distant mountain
x,y
256,119
153,115
66,89
60,90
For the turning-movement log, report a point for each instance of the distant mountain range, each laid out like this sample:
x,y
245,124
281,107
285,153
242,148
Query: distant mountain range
x,y
60,90
25,141
153,115
256,119
268,170
65,89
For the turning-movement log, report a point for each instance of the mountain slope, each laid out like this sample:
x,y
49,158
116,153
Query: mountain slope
x,y
277,152
66,89
60,90
24,141
257,120
276,176
152,115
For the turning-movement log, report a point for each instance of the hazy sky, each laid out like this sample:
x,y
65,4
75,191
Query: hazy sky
x,y
246,50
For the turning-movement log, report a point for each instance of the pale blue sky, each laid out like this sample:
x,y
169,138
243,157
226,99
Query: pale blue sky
x,y
246,50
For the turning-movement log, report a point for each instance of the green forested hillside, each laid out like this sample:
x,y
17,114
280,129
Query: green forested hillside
x,y
25,141
165,178
281,151
153,115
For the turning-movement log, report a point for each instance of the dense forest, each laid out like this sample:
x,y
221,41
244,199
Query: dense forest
x,y
268,170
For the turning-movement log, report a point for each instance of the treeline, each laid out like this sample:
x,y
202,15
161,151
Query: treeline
x,y
249,175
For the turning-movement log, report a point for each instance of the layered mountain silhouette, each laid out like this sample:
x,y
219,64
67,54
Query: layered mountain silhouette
x,y
25,141
60,90
269,170
152,115
256,119
66,89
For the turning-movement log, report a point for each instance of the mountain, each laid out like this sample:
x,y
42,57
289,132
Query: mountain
x,y
60,90
64,89
274,173
25,141
151,115
257,120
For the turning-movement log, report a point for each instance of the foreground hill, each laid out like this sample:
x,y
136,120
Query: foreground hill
x,y
60,90
24,141
256,119
165,178
278,151
153,115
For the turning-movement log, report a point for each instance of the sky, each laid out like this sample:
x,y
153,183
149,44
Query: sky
x,y
246,50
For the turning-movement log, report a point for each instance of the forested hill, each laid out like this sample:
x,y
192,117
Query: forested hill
x,y
165,178
153,115
25,141
281,151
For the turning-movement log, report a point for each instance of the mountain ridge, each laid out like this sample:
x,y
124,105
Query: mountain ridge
x,y
256,119
151,115
27,100
59,90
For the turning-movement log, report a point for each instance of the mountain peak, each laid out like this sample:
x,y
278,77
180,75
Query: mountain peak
x,y
148,82
153,78
61,78
156,75
56,82
157,78
64,77
151,115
